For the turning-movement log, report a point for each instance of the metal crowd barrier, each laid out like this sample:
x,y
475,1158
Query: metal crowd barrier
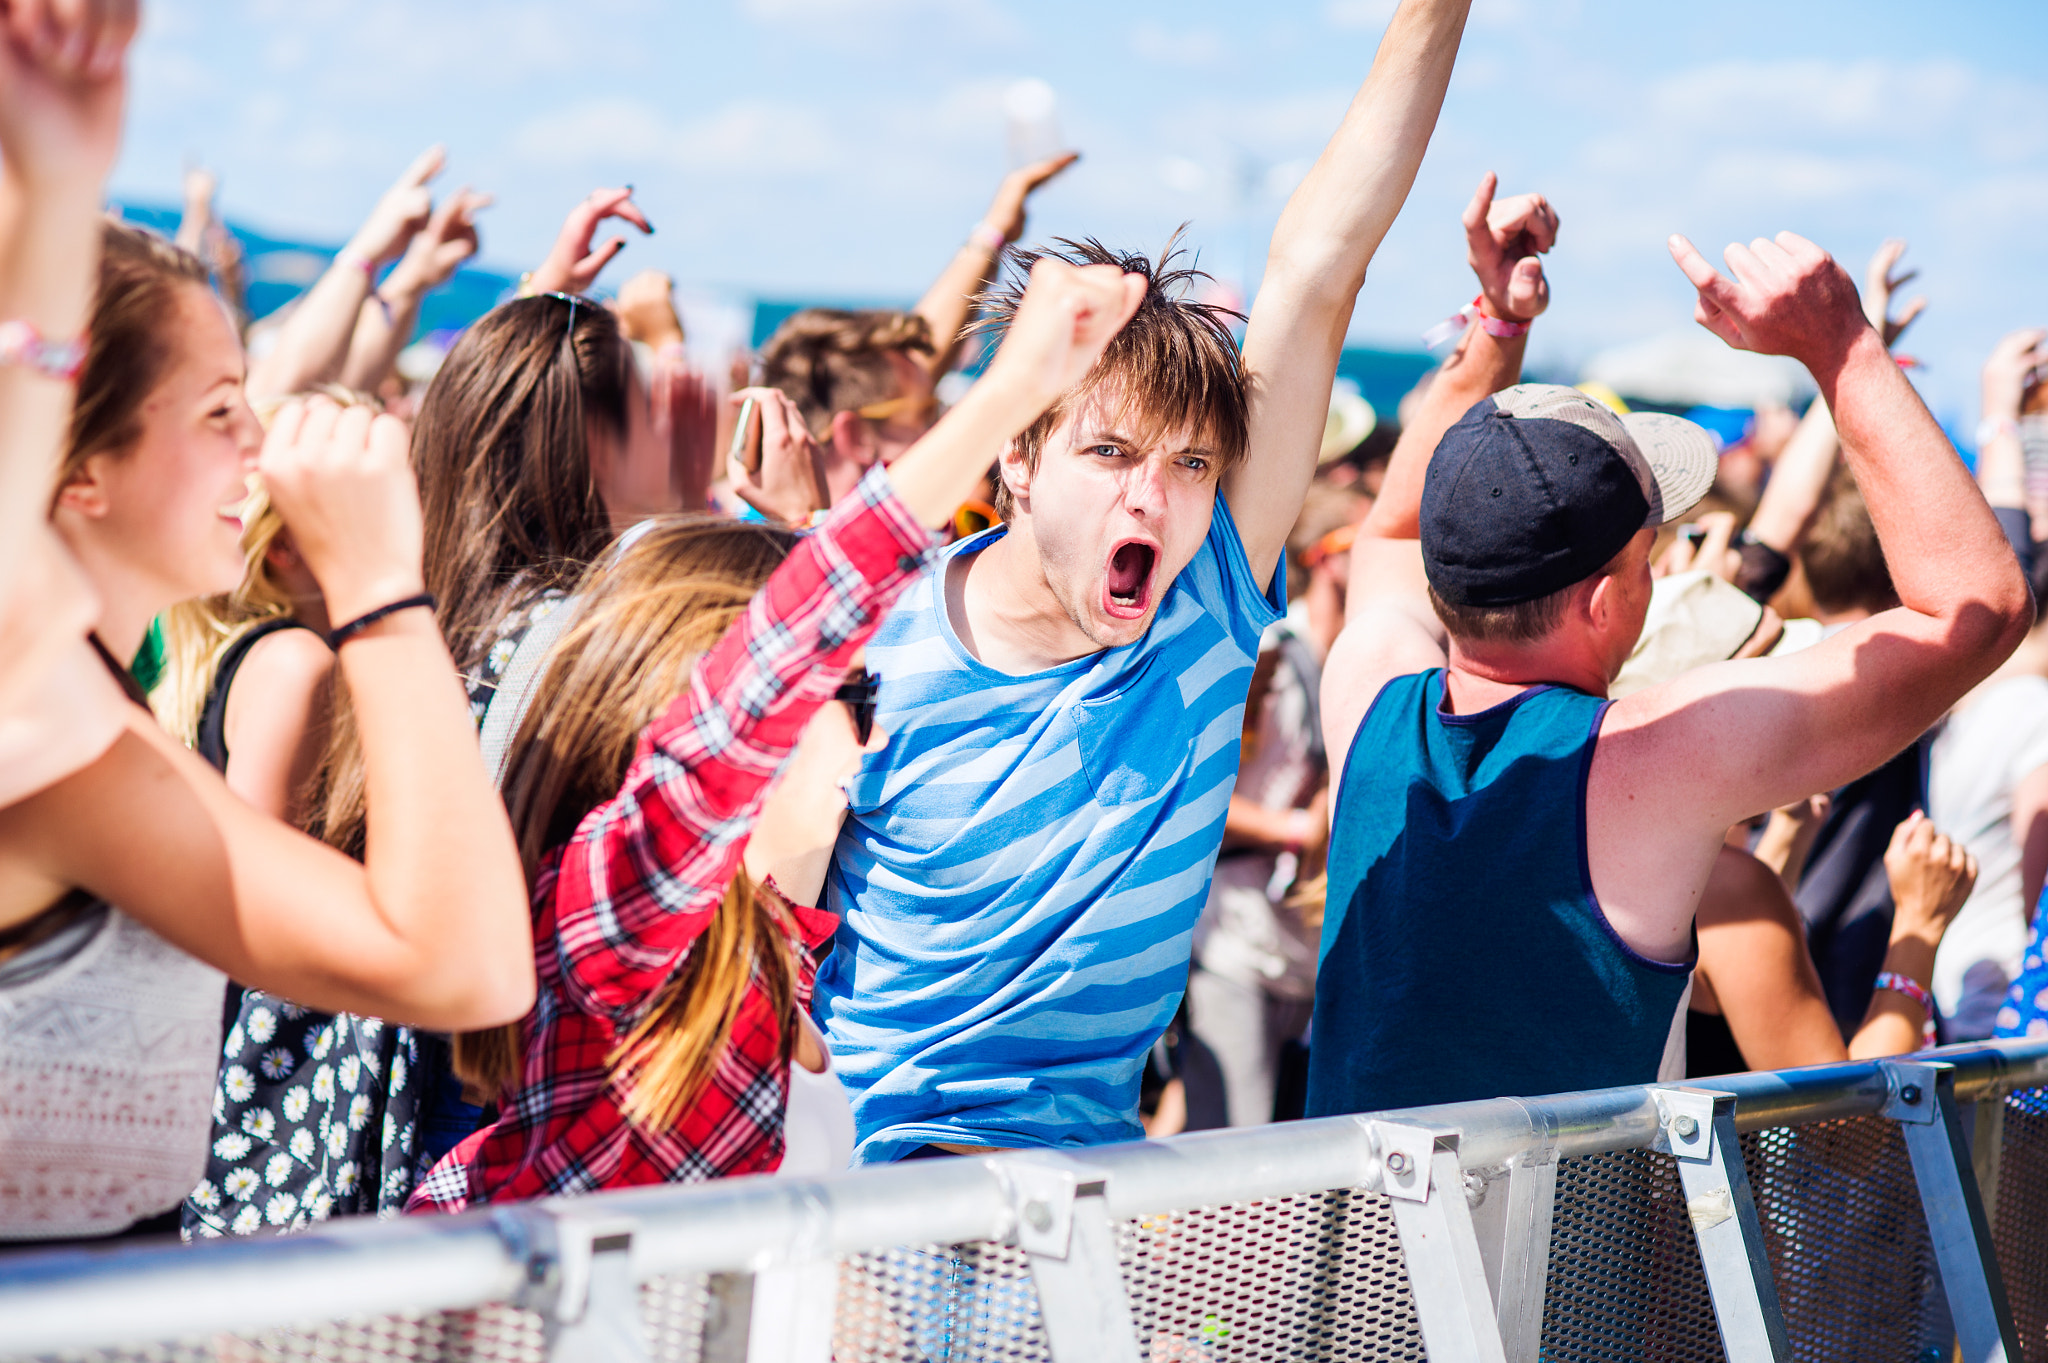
x,y
1886,1210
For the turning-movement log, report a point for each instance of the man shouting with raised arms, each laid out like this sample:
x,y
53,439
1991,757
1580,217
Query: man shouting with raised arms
x,y
1514,860
1024,859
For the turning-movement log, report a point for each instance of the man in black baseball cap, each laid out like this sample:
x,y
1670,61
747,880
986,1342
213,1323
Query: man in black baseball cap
x,y
1515,859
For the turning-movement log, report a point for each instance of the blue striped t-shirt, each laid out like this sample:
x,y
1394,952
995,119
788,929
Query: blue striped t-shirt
x,y
1022,865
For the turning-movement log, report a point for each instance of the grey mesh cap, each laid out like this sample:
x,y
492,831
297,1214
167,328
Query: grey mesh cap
x,y
1539,486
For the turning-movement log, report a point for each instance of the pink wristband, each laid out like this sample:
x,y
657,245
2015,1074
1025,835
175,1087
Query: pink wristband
x,y
22,344
1914,990
987,237
1454,326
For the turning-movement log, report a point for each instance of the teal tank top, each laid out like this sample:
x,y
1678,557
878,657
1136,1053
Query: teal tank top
x,y
1464,955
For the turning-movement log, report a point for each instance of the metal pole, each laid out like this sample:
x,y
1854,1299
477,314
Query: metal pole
x,y
1924,1105
1699,1133
1420,1173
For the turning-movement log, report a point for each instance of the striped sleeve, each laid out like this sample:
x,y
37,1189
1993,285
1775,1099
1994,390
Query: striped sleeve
x,y
639,880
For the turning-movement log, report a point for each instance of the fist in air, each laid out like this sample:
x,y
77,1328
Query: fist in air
x,y
1068,317
1503,238
342,482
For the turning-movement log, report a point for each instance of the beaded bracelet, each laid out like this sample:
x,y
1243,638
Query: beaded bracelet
x,y
336,638
22,344
1917,992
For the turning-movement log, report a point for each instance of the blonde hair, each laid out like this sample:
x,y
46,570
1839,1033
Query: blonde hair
x,y
197,633
641,623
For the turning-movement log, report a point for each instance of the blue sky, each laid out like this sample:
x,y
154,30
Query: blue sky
x,y
841,148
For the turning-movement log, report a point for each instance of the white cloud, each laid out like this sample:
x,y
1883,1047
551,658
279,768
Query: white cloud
x,y
757,136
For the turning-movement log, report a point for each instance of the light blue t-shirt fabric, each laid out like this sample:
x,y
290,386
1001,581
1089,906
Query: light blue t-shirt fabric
x,y
1022,865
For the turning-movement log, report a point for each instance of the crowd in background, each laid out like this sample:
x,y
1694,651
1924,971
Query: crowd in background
x,y
599,763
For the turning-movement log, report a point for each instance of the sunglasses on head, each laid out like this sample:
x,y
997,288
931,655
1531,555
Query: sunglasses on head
x,y
859,695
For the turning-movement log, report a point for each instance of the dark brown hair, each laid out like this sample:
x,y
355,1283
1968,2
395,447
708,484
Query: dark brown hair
x,y
502,450
131,339
1525,622
1175,363
641,624
832,360
1844,563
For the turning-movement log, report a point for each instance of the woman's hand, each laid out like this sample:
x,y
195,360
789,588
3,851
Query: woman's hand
x,y
61,89
448,239
403,210
342,481
790,482
571,266
1930,874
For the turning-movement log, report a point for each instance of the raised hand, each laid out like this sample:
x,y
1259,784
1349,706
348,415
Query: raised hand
x,y
1879,284
448,239
1787,297
61,88
2013,361
1930,874
1006,211
403,210
647,311
572,266
1503,238
1068,317
342,480
790,483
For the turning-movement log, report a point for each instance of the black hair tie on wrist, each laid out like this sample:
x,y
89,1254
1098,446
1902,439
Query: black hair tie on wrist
x,y
336,638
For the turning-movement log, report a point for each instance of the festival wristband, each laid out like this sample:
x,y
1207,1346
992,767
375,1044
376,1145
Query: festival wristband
x,y
1991,428
1454,326
22,344
987,237
337,638
1914,990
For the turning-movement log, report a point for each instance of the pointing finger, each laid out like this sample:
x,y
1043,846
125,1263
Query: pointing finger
x,y
424,167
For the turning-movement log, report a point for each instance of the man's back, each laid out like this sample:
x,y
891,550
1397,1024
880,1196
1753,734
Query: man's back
x,y
1023,864
1465,954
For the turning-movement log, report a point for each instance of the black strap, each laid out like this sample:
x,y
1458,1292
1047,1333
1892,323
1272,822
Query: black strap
x,y
362,622
129,686
211,740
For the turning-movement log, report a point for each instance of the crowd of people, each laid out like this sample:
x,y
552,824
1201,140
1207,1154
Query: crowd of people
x,y
600,764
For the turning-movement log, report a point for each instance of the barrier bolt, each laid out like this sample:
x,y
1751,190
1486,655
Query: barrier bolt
x,y
1686,1127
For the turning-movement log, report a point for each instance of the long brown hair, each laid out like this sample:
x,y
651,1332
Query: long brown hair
x,y
641,623
502,449
131,339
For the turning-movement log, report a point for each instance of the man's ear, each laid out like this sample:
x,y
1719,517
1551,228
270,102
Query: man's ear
x,y
1015,473
853,440
84,493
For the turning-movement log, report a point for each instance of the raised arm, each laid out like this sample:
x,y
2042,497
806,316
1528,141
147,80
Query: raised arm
x,y
1799,480
946,305
645,870
1321,247
1390,630
313,343
385,322
1763,732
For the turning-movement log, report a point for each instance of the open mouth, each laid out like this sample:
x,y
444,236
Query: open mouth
x,y
1128,590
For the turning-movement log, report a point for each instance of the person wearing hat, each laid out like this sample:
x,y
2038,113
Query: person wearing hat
x,y
1515,859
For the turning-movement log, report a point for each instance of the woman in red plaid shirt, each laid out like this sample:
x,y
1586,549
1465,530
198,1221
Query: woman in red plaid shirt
x,y
672,987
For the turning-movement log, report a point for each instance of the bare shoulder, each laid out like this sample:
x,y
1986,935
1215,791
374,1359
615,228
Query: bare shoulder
x,y
293,660
1742,889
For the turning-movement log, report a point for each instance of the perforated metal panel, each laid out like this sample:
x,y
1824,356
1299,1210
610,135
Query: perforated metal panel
x,y
2020,1221
943,1304
1625,1280
1312,1277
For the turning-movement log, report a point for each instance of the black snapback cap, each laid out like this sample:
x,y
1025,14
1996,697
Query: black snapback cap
x,y
1539,486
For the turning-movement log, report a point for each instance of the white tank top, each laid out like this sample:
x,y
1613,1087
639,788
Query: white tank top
x,y
109,1047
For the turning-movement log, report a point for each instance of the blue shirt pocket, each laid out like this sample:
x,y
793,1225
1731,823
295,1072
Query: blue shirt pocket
x,y
1132,746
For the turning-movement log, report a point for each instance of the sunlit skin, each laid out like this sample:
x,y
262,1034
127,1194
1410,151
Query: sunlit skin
x,y
635,475
854,443
157,523
1101,529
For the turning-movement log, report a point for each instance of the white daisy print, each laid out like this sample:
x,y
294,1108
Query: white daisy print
x,y
359,1112
248,1220
319,1206
323,1042
398,1071
278,1169
323,1084
260,1122
239,1084
206,1196
232,1145
207,1232
351,1072
277,1062
301,1146
337,1140
220,1108
371,1027
345,1178
280,1208
262,1025
296,1104
240,1184
291,1011
232,1047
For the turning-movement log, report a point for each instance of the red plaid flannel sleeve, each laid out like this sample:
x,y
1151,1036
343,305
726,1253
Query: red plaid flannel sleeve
x,y
639,880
